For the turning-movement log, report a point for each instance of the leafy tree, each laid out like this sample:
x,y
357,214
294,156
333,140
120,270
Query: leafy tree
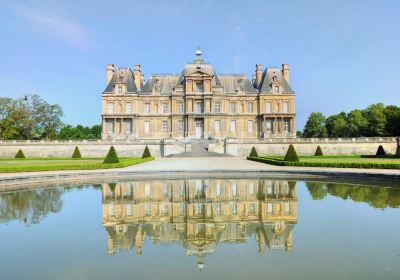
x,y
337,126
376,117
392,114
318,191
79,132
76,153
19,154
381,151
315,126
146,153
111,156
318,151
253,152
357,123
291,154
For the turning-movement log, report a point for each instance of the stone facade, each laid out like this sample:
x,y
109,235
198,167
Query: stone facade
x,y
198,103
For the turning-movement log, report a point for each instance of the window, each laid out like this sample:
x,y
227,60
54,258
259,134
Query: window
x,y
251,188
233,126
180,107
147,108
217,126
165,126
147,189
166,209
110,209
181,209
128,126
146,126
287,207
269,208
276,89
217,107
286,125
249,107
286,107
234,189
269,125
218,208
165,107
234,208
128,107
110,126
252,209
119,89
218,189
199,107
199,87
180,126
250,126
233,107
147,209
268,107
110,108
129,209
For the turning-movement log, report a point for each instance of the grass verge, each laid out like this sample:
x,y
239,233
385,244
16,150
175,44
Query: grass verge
x,y
77,164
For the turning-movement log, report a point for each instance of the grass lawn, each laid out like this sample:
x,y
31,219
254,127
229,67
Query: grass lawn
x,y
48,164
342,161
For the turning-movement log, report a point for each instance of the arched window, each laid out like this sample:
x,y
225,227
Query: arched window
x,y
276,89
119,89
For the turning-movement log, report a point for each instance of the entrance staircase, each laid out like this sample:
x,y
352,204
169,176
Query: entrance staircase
x,y
199,148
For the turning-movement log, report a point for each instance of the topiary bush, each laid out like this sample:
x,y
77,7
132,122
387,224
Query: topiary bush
x,y
253,152
146,153
318,151
291,154
381,151
76,153
19,154
111,156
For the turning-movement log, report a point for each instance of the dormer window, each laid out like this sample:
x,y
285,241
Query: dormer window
x,y
199,87
119,89
274,78
276,89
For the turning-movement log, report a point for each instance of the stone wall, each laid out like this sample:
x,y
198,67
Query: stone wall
x,y
305,146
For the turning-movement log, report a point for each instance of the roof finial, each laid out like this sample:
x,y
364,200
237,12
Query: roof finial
x,y
198,52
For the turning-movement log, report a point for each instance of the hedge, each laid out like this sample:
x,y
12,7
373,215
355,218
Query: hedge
x,y
291,154
146,153
111,156
318,151
279,162
76,153
253,152
19,154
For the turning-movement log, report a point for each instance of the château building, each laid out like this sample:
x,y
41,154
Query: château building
x,y
199,214
198,103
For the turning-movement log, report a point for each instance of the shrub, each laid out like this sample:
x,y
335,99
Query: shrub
x,y
253,152
146,153
19,154
77,153
381,151
318,151
291,154
111,156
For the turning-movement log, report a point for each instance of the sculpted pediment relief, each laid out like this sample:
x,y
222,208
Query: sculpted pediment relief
x,y
198,74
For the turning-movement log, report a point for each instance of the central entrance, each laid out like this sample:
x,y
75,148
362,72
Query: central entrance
x,y
199,125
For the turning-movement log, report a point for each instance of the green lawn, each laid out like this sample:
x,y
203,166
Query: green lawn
x,y
344,159
48,164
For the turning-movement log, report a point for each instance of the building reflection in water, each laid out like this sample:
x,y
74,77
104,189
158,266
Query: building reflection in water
x,y
199,214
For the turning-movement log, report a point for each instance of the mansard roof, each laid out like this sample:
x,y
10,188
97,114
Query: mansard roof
x,y
234,82
268,78
123,75
164,83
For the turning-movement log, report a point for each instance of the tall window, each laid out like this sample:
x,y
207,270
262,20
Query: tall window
x,y
268,107
199,107
233,126
249,107
110,107
234,208
199,87
252,208
218,189
217,126
128,107
119,89
276,89
286,107
218,208
250,126
269,125
128,126
234,189
180,126
165,107
146,126
129,209
165,126
180,107
147,209
110,126
286,125
217,107
147,108
251,188
147,189
233,107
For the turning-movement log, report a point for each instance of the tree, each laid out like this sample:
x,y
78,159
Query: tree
x,y
253,152
76,153
315,126
318,151
19,154
376,117
146,153
357,123
392,114
381,151
337,125
291,154
111,156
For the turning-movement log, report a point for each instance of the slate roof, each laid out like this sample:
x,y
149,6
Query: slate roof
x,y
124,75
267,79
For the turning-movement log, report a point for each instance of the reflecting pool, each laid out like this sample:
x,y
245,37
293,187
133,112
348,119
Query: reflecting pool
x,y
201,229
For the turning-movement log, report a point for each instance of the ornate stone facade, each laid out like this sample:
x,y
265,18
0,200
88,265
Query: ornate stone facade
x,y
198,103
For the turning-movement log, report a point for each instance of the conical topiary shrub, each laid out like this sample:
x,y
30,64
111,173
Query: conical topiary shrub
x,y
146,153
253,152
111,156
77,153
291,154
318,151
19,154
381,151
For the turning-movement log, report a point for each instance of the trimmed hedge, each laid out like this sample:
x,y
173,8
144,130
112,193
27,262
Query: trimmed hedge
x,y
291,154
76,153
253,152
369,165
111,156
146,152
381,151
318,152
19,154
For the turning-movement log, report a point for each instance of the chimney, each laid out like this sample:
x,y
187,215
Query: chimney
x,y
258,75
285,72
110,73
138,77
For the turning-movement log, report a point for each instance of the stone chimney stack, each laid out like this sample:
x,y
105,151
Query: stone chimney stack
x,y
110,73
258,75
138,77
285,72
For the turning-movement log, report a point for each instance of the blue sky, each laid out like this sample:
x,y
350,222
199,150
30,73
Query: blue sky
x,y
342,54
